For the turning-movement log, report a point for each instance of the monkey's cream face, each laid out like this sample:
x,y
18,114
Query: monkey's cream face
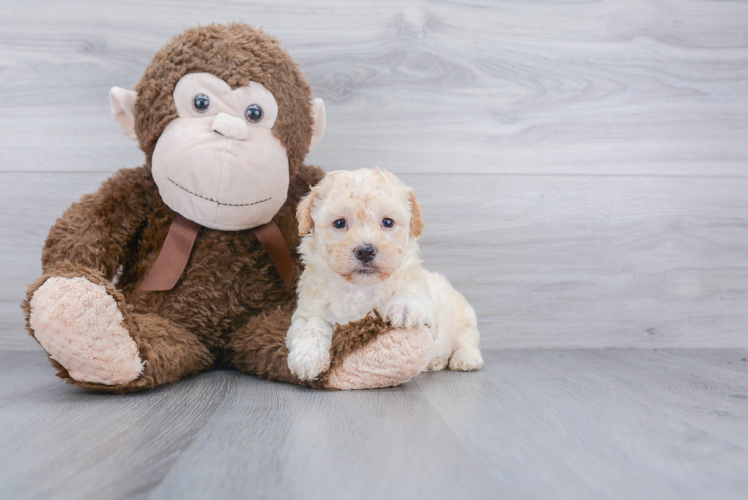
x,y
218,163
362,224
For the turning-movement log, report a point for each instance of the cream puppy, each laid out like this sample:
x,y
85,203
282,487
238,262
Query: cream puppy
x,y
360,252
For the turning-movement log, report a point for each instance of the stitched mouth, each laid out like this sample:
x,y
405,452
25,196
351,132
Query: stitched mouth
x,y
216,201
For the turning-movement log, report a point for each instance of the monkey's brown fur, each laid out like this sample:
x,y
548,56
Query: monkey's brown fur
x,y
230,307
237,54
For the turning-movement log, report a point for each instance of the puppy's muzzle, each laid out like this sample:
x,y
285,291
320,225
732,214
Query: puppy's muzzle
x,y
365,253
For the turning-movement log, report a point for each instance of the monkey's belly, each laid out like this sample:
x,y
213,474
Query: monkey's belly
x,y
228,279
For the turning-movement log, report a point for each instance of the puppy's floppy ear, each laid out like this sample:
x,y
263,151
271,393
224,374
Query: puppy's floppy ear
x,y
416,216
304,212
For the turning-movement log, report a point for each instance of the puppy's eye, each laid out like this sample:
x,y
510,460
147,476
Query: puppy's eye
x,y
339,224
201,102
388,223
254,113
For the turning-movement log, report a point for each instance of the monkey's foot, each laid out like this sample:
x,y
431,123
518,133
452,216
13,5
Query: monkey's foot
x,y
81,327
393,358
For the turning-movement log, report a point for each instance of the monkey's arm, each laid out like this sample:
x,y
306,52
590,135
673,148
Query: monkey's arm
x,y
96,231
364,354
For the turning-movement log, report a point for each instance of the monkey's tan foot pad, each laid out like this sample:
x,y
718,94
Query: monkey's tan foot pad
x,y
79,324
393,358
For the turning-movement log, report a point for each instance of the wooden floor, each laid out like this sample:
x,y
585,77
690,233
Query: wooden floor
x,y
562,424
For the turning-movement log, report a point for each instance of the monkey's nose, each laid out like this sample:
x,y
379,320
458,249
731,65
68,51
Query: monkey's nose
x,y
230,126
365,253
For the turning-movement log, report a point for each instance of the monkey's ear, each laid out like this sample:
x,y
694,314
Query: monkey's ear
x,y
304,212
416,215
122,103
318,127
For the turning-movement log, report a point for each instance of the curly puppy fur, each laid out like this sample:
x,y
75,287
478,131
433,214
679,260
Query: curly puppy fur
x,y
230,307
362,255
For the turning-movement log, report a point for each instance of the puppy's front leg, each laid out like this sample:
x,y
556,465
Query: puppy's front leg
x,y
410,312
308,342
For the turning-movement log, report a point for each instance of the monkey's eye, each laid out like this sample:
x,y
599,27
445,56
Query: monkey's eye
x,y
201,102
339,224
388,223
254,113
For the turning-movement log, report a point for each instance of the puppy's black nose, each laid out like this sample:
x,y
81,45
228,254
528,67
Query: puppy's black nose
x,y
365,253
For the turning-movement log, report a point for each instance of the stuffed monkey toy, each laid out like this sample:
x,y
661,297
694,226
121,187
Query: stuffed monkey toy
x,y
188,262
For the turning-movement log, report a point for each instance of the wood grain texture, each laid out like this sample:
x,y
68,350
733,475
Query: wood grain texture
x,y
582,164
547,261
603,424
624,87
564,424
399,450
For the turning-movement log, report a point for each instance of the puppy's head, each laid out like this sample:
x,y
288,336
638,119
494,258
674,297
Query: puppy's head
x,y
364,223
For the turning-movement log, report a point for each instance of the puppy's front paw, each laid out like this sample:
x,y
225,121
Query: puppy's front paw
x,y
408,313
309,349
307,362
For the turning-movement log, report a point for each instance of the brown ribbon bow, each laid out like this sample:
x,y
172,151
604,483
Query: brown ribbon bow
x,y
177,247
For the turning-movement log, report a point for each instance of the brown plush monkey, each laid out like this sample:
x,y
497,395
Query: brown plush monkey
x,y
197,239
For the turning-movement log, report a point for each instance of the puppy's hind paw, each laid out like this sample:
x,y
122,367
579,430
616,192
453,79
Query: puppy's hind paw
x,y
466,359
437,364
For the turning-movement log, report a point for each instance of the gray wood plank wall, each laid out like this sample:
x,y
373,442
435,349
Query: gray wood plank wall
x,y
583,165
